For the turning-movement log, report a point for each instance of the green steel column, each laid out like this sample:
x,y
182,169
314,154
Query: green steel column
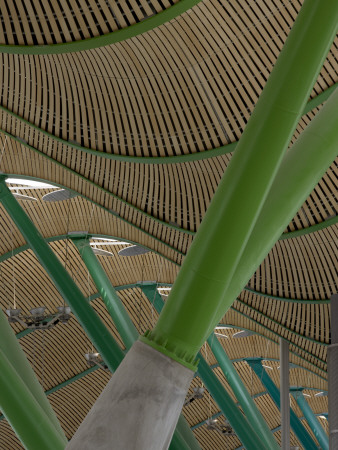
x,y
187,434
112,301
245,432
302,168
27,418
198,294
239,423
89,320
298,428
244,398
12,350
123,322
312,420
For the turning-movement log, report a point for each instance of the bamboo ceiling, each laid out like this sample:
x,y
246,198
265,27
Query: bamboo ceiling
x,y
143,129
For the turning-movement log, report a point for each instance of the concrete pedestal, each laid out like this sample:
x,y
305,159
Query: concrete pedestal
x,y
140,406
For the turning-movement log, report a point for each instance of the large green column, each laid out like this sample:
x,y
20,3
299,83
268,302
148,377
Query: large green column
x,y
302,168
124,326
29,421
11,349
89,320
244,429
123,323
244,398
312,420
198,294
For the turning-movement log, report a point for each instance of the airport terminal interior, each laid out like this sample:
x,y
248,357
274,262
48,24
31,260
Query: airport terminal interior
x,y
118,120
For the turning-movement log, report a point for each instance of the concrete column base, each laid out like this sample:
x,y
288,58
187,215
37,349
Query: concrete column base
x,y
140,406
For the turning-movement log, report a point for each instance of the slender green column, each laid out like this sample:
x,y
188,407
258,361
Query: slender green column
x,y
98,333
239,423
302,168
248,405
243,428
298,428
12,350
29,421
312,420
109,296
198,294
187,434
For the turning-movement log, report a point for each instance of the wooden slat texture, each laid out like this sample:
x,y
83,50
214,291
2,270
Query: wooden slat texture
x,y
183,88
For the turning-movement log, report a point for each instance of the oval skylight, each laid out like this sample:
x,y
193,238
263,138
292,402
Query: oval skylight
x,y
59,195
133,250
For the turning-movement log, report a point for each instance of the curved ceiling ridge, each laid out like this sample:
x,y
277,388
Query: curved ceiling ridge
x,y
143,25
298,347
112,213
177,159
22,248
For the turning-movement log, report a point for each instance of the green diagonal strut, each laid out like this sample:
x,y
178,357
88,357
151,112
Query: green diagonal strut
x,y
244,398
199,292
29,421
12,351
125,326
123,322
312,420
243,427
89,320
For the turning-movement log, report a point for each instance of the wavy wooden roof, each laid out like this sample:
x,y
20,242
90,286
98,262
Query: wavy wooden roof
x,y
142,124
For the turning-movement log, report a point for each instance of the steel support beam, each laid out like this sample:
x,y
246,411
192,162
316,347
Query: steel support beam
x,y
29,421
245,432
89,320
284,393
301,169
200,292
12,351
298,428
124,324
333,374
120,317
312,420
244,398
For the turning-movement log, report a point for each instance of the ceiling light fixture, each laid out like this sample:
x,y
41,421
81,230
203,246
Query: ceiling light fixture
x,y
94,359
221,428
198,393
38,318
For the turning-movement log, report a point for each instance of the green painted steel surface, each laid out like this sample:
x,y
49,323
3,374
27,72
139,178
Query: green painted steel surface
x,y
12,350
187,434
298,428
312,420
106,39
212,153
242,427
199,292
120,317
239,423
244,398
89,320
301,169
29,421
